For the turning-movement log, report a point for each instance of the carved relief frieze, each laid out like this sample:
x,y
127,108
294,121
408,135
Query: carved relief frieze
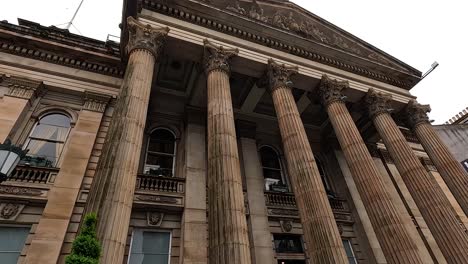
x,y
159,199
282,212
96,102
286,225
14,190
145,37
154,218
23,88
10,211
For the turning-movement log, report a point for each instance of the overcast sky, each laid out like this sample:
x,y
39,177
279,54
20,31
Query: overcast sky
x,y
417,32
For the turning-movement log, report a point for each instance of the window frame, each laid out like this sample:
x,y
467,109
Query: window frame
x,y
353,257
281,168
36,123
174,156
169,254
323,175
464,163
19,226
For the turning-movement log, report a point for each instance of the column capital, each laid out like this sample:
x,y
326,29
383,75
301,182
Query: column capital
x,y
95,102
145,37
416,113
277,75
23,88
330,90
377,103
217,57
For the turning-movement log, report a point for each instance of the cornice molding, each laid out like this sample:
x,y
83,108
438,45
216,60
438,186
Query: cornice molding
x,y
217,57
51,57
175,12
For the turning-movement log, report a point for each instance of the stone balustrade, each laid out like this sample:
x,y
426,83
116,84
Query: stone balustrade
x,y
31,174
288,200
160,184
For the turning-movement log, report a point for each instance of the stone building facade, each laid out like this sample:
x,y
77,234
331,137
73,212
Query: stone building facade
x,y
223,132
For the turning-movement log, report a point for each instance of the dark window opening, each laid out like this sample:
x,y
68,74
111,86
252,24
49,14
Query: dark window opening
x,y
272,171
287,243
160,156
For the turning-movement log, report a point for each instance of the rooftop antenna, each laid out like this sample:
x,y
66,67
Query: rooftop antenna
x,y
433,66
69,24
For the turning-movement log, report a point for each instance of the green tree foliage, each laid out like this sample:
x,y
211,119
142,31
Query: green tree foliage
x,y
86,248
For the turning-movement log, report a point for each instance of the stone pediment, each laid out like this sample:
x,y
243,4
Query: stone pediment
x,y
289,17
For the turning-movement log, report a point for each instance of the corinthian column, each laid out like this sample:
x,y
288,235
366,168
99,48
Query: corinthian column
x,y
449,168
396,243
320,231
111,195
428,196
228,235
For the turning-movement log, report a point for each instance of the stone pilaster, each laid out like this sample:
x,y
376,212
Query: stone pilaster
x,y
260,234
396,243
449,168
50,232
320,230
111,194
16,101
228,233
427,194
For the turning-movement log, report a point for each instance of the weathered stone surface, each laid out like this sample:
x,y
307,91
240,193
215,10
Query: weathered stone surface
x,y
429,197
396,243
449,168
228,233
320,231
111,195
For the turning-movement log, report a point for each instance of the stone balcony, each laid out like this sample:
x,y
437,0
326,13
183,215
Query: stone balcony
x,y
159,191
283,205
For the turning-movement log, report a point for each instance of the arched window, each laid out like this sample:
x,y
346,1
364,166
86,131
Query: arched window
x,y
46,141
272,171
160,155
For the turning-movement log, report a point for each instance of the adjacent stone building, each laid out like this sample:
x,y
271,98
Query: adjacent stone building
x,y
223,132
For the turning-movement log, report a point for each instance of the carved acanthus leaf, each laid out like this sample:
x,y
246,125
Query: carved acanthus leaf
x,y
330,90
145,37
96,102
417,113
217,57
377,103
278,75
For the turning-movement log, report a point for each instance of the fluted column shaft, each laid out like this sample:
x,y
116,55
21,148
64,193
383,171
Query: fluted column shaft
x,y
228,233
449,168
112,192
428,196
321,234
396,243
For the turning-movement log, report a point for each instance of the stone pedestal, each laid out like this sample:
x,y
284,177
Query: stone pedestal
x,y
262,250
321,234
228,233
111,195
396,243
15,102
50,232
449,168
429,197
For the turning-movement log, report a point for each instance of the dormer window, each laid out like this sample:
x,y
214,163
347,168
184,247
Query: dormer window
x,y
160,154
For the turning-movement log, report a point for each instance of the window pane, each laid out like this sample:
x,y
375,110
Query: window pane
x,y
272,174
269,158
50,151
162,140
11,243
42,131
288,243
156,242
349,251
155,259
164,162
56,120
150,247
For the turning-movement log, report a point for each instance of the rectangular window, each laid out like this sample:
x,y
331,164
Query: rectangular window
x,y
349,251
11,243
150,247
288,243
